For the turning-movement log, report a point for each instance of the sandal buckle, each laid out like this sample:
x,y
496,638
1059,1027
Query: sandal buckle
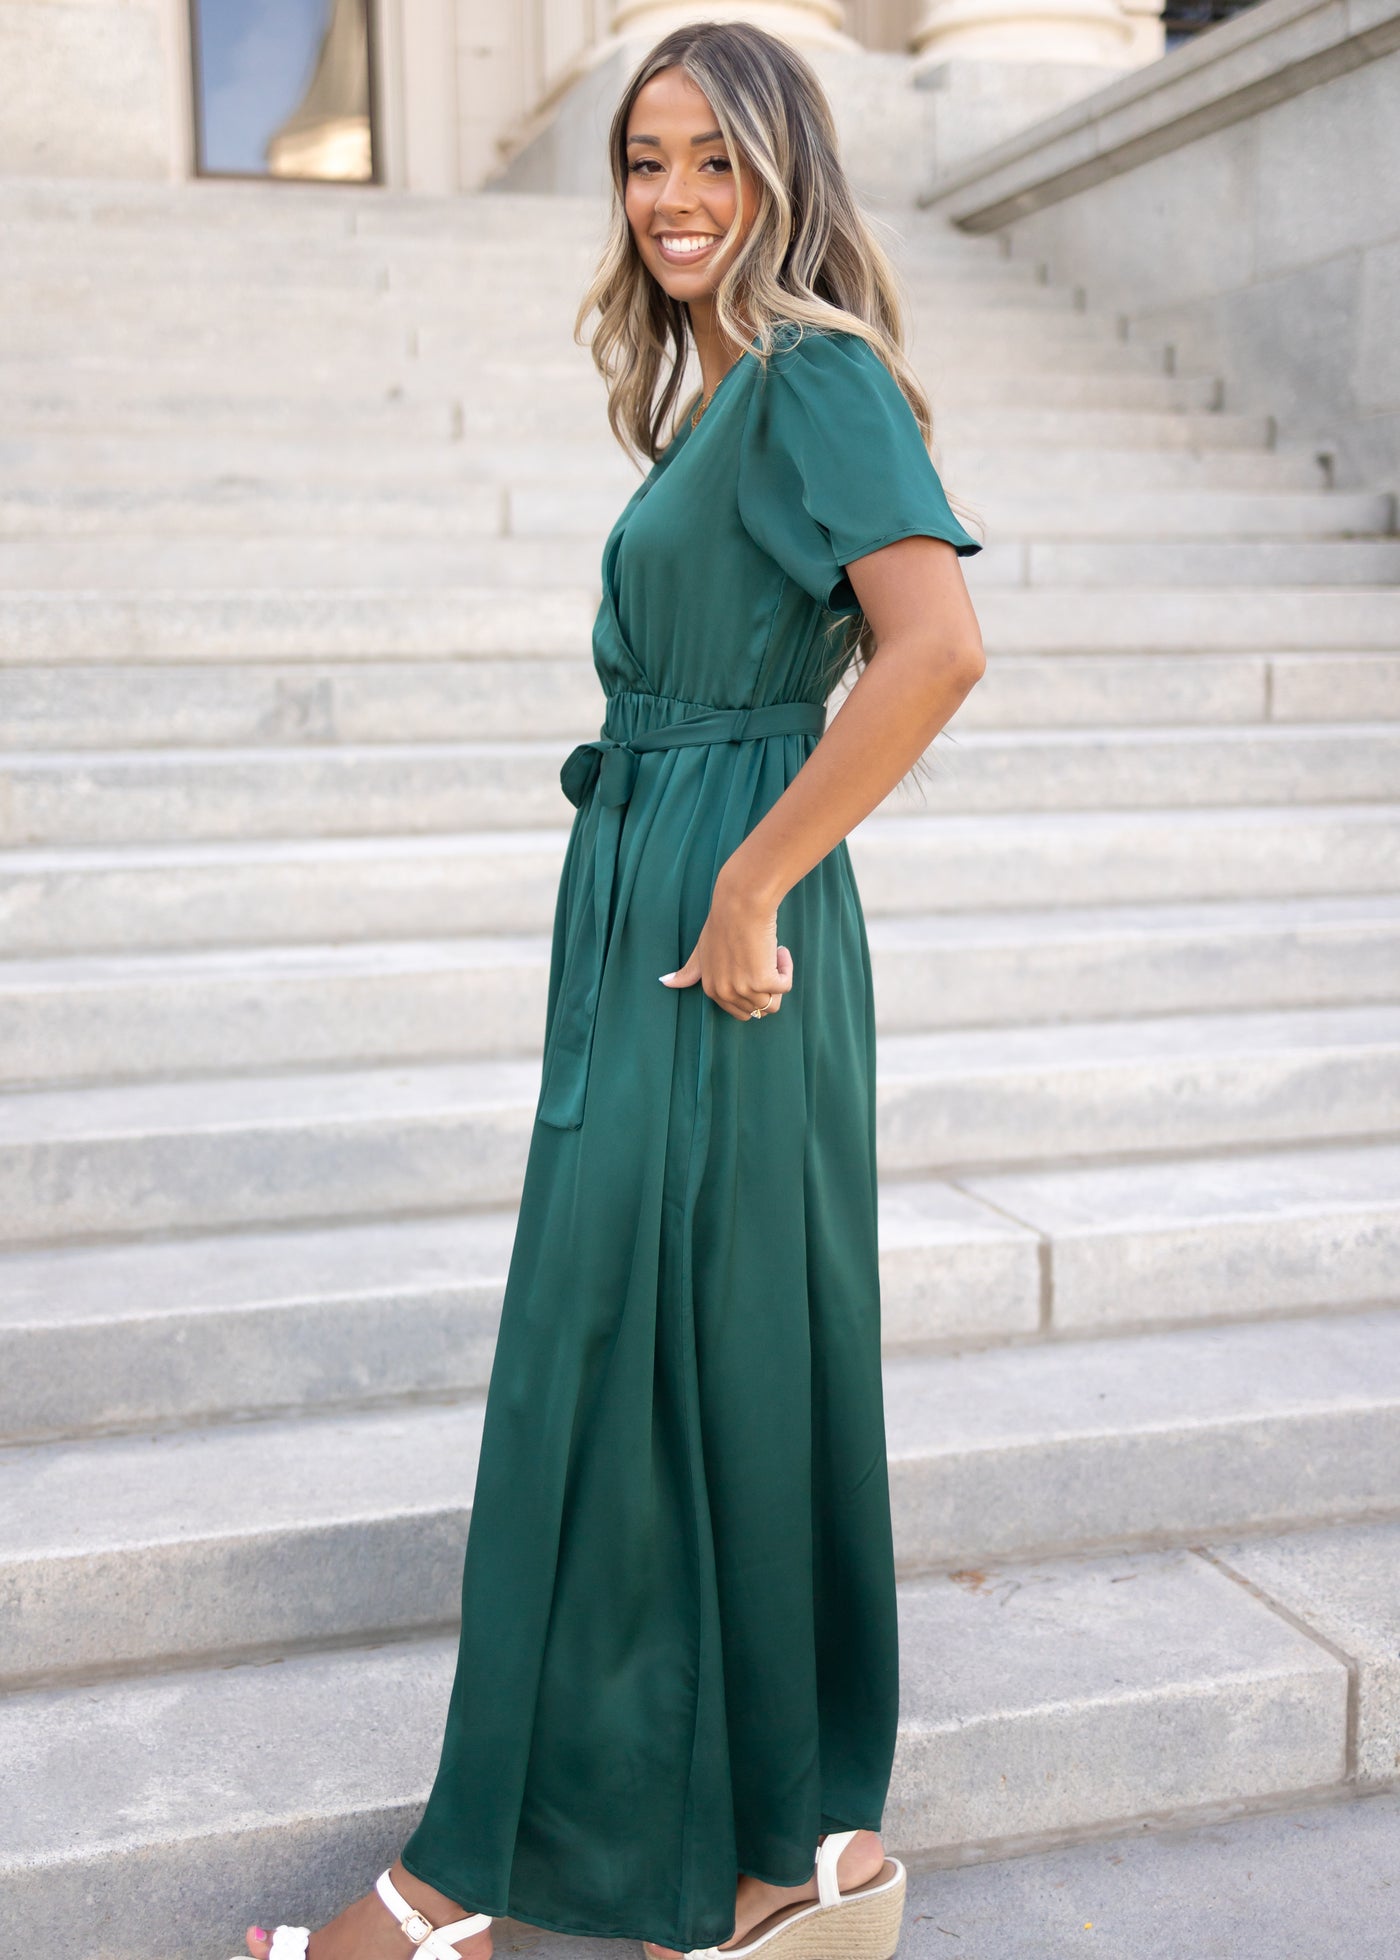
x,y
416,1927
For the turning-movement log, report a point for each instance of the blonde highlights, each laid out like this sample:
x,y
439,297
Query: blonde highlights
x,y
811,257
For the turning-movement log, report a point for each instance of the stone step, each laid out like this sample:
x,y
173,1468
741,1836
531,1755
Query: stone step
x,y
1310,1876
1158,1683
397,327
988,862
1230,516
1198,619
212,1152
488,283
41,628
1206,562
333,701
182,461
983,1098
1010,470
549,412
470,510
113,796
86,1019
148,560
275,524
197,563
1201,1239
336,213
289,891
113,1337
31,394
961,427
165,1550
1037,1450
249,214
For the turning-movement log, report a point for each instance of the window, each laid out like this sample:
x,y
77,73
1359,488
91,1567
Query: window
x,y
283,89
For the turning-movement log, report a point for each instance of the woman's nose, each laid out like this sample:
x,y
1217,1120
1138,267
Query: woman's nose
x,y
676,197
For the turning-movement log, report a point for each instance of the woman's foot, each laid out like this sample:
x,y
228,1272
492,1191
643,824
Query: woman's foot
x,y
367,1931
862,1860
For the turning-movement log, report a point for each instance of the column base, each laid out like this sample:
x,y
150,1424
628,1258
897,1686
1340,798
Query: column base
x,y
1073,32
815,23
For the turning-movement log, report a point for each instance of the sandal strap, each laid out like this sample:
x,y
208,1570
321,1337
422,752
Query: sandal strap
x,y
289,1943
432,1942
828,1857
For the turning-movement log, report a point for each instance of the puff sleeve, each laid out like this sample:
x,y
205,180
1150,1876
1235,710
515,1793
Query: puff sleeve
x,y
833,465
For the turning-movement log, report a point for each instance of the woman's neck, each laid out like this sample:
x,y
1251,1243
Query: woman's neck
x,y
716,355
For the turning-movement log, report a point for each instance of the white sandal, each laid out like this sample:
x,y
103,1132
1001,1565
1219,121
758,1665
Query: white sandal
x,y
862,1924
432,1942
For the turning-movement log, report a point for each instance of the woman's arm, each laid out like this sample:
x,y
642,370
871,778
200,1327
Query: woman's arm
x,y
927,660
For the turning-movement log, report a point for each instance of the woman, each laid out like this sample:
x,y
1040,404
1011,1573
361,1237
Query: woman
x,y
678,1663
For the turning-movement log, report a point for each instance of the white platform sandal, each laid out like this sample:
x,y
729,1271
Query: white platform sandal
x,y
432,1942
862,1924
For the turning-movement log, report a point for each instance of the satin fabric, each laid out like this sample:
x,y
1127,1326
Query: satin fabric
x,y
679,1655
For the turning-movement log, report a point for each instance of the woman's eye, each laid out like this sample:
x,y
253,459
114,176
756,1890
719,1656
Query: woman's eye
x,y
643,166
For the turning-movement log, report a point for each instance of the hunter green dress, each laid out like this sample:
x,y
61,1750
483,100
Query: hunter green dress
x,y
678,1653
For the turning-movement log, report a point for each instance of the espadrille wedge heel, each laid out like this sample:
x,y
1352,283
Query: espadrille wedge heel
x,y
862,1924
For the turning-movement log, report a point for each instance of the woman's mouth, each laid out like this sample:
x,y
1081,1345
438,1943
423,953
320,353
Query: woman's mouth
x,y
686,247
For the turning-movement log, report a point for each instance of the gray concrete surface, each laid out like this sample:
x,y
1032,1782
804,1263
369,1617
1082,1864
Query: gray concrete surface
x,y
1320,1883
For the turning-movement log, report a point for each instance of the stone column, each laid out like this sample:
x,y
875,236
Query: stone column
x,y
1095,32
814,23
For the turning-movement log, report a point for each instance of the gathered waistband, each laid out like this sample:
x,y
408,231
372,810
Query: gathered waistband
x,y
610,764
611,760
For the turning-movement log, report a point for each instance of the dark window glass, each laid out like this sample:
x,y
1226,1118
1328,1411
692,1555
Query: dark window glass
x,y
282,88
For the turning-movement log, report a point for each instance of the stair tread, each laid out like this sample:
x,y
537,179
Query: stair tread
x,y
239,1749
71,1499
367,1094
911,931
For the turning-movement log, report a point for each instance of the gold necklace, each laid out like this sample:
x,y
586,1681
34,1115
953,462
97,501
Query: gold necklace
x,y
705,400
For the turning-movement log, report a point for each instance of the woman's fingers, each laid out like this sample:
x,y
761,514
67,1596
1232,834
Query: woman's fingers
x,y
723,962
766,996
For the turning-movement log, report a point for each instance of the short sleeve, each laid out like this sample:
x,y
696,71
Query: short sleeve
x,y
833,465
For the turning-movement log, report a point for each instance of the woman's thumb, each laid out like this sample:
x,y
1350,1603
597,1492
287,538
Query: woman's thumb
x,y
684,976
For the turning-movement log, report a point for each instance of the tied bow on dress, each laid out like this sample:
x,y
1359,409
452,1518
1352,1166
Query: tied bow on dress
x,y
607,768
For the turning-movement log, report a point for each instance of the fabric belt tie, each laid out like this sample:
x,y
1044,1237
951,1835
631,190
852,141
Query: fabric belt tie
x,y
608,766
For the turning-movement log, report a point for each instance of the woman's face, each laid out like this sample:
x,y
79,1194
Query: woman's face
x,y
682,187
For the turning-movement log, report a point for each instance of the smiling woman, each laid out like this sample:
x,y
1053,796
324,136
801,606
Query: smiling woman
x,y
676,1697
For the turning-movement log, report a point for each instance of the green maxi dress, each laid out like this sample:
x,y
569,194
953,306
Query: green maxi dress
x,y
678,1653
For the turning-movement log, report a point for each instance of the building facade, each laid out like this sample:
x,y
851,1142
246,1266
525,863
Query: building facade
x,y
441,96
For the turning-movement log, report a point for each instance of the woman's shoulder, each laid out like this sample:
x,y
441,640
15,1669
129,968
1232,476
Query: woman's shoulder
x,y
797,341
828,363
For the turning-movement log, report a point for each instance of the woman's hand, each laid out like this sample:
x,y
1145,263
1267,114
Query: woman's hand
x,y
737,958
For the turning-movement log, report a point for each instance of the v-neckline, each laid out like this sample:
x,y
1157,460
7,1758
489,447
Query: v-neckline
x,y
689,428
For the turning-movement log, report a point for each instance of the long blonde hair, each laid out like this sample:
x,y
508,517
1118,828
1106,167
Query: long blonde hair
x,y
811,256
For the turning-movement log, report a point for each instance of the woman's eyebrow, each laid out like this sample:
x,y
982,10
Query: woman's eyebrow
x,y
710,136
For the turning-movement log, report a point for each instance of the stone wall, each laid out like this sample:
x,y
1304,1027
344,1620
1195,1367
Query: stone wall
x,y
86,88
1241,199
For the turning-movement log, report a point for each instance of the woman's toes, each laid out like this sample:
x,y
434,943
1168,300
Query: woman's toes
x,y
259,1942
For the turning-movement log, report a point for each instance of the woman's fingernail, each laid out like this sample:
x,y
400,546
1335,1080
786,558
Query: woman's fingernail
x,y
666,976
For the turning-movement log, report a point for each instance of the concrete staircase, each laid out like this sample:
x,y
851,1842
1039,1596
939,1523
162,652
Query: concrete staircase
x,y
303,498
